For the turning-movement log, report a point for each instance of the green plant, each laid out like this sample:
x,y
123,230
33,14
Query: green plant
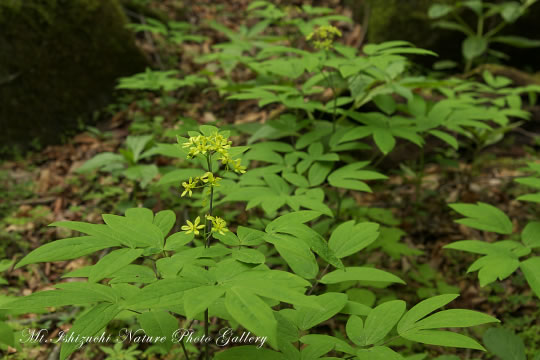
x,y
118,353
240,277
479,38
126,163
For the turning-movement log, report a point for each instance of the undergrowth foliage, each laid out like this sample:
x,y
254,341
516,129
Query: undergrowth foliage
x,y
268,237
209,271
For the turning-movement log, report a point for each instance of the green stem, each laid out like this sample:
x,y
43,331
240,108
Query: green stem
x,y
206,245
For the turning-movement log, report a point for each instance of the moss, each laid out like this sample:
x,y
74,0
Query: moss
x,y
59,62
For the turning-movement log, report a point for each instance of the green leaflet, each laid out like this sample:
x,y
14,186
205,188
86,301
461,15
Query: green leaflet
x,y
484,217
249,352
504,343
252,313
331,304
198,299
269,285
159,324
454,318
140,215
140,234
360,274
350,177
69,294
381,320
88,325
165,220
348,238
530,236
422,309
296,253
378,353
66,249
443,338
531,270
113,262
98,230
161,294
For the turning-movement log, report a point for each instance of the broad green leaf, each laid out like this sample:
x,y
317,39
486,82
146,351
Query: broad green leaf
x,y
531,270
381,320
56,298
454,318
296,253
350,177
249,352
113,262
384,140
422,309
447,138
360,274
484,217
103,292
178,240
443,338
292,217
378,353
165,220
140,214
296,179
198,299
65,249
159,324
101,160
274,286
474,46
355,330
386,103
348,238
439,10
161,294
493,267
88,325
505,344
101,231
141,234
7,335
331,303
252,313
246,255
530,235
517,41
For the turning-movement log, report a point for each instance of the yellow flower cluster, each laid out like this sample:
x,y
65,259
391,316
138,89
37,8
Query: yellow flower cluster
x,y
207,179
201,144
214,144
218,225
323,37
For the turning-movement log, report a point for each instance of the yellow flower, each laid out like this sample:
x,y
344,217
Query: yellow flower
x,y
237,166
193,227
218,224
189,186
323,37
209,178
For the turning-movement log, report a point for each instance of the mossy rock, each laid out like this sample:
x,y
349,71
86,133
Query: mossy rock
x,y
408,20
59,62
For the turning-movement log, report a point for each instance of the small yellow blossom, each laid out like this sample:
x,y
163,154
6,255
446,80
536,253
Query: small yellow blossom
x,y
189,186
218,224
209,178
193,227
237,166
